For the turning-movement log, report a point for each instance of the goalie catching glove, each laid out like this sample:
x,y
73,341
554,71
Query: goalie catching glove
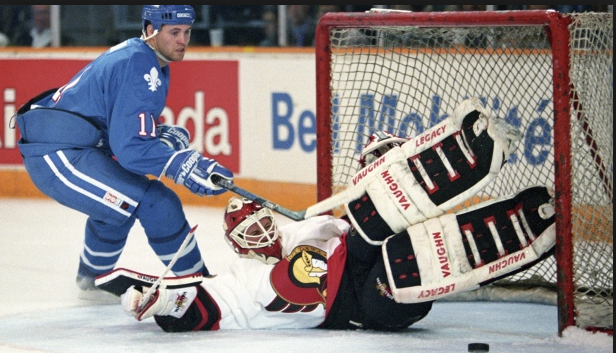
x,y
427,175
163,302
191,169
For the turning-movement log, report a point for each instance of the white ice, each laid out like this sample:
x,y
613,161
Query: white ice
x,y
40,243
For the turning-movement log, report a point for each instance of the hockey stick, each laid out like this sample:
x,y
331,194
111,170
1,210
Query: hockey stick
x,y
472,108
314,210
175,258
228,184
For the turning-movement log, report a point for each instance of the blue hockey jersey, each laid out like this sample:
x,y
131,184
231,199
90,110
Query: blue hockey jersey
x,y
122,92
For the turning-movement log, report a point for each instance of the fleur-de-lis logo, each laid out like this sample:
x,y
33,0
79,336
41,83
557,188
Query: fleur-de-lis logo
x,y
152,79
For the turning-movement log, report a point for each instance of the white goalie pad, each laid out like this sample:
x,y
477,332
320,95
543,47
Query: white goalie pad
x,y
429,174
455,253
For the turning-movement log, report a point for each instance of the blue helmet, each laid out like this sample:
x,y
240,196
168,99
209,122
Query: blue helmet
x,y
160,15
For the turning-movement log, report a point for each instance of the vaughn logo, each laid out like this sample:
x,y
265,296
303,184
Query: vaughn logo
x,y
396,190
441,254
364,172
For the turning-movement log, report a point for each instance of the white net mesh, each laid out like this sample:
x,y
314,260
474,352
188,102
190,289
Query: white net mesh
x,y
592,128
406,79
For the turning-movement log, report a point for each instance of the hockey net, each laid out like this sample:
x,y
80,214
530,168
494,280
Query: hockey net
x,y
547,73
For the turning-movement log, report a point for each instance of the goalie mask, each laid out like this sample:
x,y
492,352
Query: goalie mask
x,y
251,230
378,144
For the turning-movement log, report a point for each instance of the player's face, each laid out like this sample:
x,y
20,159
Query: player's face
x,y
172,41
254,234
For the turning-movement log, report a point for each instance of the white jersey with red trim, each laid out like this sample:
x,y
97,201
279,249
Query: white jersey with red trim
x,y
289,294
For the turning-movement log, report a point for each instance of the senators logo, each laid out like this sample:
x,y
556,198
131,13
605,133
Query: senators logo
x,y
300,280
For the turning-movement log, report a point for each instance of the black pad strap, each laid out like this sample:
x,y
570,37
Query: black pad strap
x,y
402,261
499,213
368,219
467,174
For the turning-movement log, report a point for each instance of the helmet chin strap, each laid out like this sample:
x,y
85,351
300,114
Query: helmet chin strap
x,y
146,40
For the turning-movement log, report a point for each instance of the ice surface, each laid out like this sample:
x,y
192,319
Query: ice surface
x,y
40,243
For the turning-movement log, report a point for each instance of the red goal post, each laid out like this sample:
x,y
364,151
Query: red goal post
x,y
549,74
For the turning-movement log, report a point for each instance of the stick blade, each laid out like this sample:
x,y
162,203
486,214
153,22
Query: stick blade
x,y
120,279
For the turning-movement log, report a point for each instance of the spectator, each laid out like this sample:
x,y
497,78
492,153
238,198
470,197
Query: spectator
x,y
4,40
473,7
37,34
13,19
301,28
534,7
5,16
270,29
473,39
435,8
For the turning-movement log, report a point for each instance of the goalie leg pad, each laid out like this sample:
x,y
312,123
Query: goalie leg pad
x,y
459,252
436,170
379,212
458,157
495,229
423,264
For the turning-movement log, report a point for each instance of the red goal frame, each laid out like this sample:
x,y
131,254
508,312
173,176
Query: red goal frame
x,y
556,27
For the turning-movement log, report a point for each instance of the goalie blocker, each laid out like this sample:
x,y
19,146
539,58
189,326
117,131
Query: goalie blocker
x,y
429,174
460,252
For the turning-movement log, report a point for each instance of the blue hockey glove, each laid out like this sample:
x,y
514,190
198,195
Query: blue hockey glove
x,y
191,169
175,137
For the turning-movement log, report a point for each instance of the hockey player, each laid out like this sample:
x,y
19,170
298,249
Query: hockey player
x,y
91,145
329,277
356,272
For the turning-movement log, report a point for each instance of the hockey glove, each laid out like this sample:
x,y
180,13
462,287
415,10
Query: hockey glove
x,y
191,169
164,302
175,137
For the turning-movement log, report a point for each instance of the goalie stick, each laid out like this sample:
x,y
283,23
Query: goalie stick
x,y
119,280
477,143
326,205
148,294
